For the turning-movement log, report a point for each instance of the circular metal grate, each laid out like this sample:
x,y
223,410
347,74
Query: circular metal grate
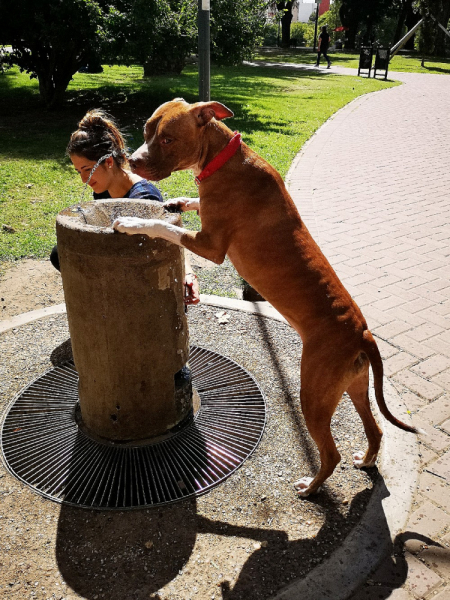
x,y
44,447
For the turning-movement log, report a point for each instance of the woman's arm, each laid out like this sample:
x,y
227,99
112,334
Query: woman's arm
x,y
191,287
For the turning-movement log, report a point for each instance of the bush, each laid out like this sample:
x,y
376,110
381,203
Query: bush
x,y
300,32
271,35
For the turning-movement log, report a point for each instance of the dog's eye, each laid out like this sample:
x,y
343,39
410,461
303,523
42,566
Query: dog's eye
x,y
166,141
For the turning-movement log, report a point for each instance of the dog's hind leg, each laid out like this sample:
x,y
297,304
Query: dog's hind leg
x,y
320,394
358,391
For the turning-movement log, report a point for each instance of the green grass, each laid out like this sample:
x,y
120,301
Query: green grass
x,y
409,63
276,111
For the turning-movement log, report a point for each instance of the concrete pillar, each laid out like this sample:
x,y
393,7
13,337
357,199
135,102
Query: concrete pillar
x,y
129,333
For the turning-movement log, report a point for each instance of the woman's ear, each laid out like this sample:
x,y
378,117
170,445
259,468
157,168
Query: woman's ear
x,y
109,162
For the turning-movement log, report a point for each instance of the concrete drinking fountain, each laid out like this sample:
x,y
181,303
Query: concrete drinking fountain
x,y
138,418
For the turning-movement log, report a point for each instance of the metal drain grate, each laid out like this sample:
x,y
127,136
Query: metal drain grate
x,y
44,447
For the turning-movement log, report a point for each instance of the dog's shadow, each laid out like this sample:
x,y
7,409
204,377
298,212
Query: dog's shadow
x,y
133,554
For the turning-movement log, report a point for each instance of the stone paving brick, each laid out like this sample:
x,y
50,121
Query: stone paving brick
x,y
441,466
419,305
415,320
393,302
435,488
438,559
398,362
386,349
443,595
428,520
381,592
446,426
434,439
424,332
391,329
407,343
418,385
421,580
432,366
439,344
433,317
443,309
437,411
426,455
443,379
412,402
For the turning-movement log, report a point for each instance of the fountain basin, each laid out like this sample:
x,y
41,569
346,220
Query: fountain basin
x,y
125,309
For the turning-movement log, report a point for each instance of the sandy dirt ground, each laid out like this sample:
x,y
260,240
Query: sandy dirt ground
x,y
245,539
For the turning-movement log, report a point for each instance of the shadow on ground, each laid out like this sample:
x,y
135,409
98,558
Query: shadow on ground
x,y
131,555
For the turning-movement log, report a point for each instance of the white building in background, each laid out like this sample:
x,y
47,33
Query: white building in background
x,y
305,7
303,11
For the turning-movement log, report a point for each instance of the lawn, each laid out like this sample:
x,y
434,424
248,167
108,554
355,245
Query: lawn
x,y
409,63
275,110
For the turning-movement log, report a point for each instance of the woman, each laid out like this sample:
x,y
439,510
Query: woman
x,y
98,153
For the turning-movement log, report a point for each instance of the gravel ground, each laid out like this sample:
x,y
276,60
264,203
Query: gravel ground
x,y
246,538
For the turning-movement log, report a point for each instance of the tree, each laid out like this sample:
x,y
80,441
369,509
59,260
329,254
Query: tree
x,y
362,18
51,40
236,29
158,34
407,16
286,16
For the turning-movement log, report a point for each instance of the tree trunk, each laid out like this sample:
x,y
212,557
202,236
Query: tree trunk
x,y
412,19
286,20
441,38
52,88
400,23
286,30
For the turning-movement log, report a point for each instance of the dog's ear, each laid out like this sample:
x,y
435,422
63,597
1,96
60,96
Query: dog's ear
x,y
205,111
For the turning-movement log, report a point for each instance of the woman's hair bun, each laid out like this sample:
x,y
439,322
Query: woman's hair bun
x,y
96,119
96,136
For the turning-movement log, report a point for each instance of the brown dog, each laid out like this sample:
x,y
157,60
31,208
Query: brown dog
x,y
247,213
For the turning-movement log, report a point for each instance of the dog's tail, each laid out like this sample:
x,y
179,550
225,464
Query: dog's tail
x,y
371,349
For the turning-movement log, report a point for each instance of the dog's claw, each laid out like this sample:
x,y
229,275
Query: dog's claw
x,y
358,461
302,486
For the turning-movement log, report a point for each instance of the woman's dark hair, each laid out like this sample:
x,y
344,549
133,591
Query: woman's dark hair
x,y
97,135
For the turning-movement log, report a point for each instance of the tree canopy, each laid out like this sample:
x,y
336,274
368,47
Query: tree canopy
x,y
52,39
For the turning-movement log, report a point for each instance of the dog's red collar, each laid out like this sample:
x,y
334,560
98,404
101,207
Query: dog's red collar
x,y
219,160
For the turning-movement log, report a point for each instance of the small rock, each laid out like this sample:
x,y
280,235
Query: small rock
x,y
8,228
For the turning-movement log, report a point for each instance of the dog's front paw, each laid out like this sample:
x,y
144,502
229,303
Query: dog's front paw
x,y
360,462
303,486
135,225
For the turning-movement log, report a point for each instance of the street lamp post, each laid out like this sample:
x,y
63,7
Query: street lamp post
x,y
203,51
315,27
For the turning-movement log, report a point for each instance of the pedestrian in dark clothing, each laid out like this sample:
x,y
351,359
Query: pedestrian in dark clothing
x,y
324,42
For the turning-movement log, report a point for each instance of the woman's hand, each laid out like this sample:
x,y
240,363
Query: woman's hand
x,y
182,204
192,290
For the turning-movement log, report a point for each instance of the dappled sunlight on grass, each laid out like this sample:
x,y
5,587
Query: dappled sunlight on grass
x,y
410,63
275,110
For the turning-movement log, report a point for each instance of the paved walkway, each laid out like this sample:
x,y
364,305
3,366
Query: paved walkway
x,y
373,186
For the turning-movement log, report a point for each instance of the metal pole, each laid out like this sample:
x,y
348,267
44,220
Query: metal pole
x,y
203,51
315,28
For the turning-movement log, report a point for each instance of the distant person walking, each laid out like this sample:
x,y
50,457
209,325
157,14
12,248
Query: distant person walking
x,y
322,48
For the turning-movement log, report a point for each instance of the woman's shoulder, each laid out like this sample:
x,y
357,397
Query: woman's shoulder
x,y
146,190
